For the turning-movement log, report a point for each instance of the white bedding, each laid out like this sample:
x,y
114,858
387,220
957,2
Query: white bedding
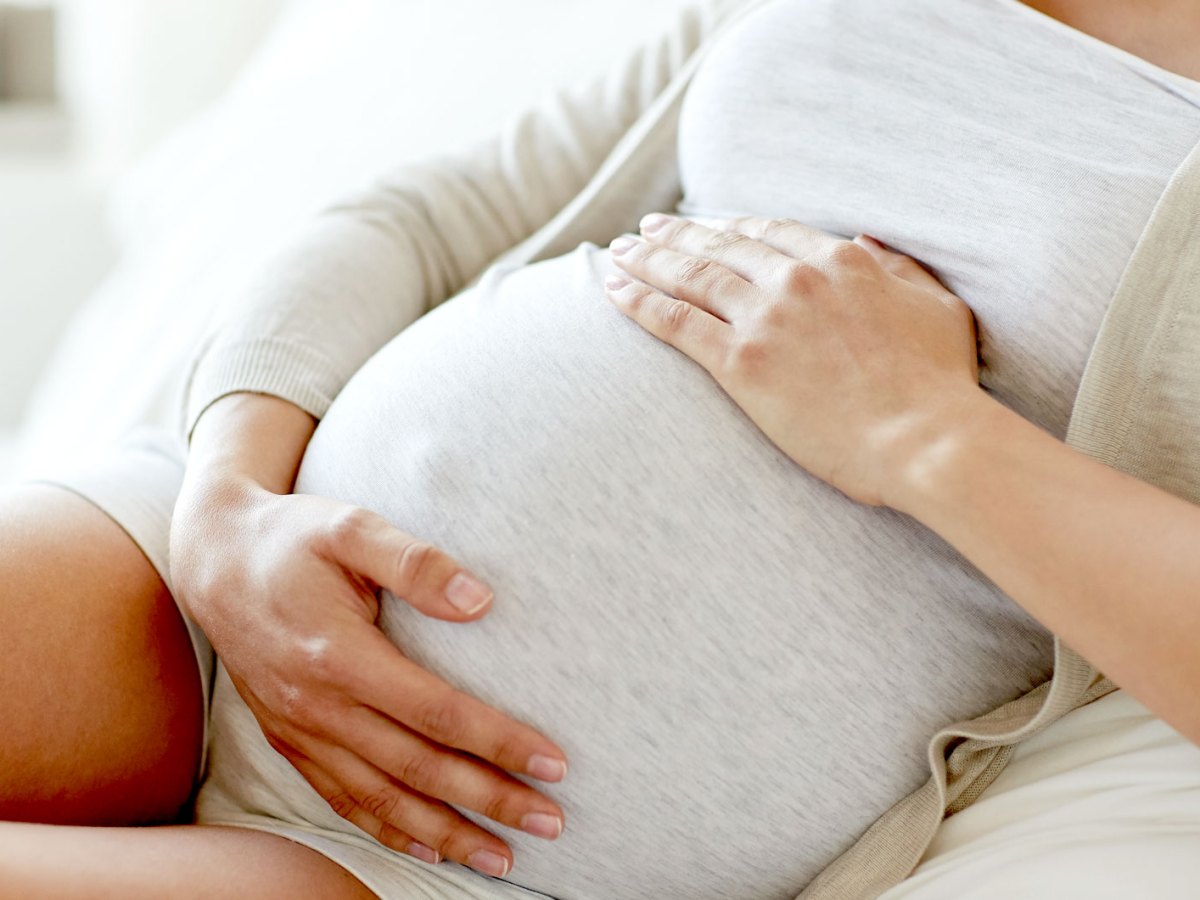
x,y
1104,804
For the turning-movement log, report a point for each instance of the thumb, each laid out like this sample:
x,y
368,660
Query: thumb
x,y
416,571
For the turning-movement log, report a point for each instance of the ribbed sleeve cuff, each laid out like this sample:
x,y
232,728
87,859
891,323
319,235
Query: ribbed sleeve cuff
x,y
285,369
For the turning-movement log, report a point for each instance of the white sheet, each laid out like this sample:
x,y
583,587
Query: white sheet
x,y
1103,804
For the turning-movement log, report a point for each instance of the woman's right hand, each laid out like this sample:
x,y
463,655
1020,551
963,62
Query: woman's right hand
x,y
287,589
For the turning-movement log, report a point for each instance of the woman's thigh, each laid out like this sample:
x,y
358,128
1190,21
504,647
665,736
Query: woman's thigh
x,y
100,703
179,861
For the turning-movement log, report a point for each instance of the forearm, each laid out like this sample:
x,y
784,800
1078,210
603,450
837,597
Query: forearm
x,y
1107,562
251,438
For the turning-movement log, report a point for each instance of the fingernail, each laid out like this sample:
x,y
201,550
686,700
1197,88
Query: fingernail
x,y
653,222
616,282
466,594
621,245
488,863
542,825
423,853
546,768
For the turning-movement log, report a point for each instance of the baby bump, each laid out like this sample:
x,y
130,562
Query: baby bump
x,y
741,664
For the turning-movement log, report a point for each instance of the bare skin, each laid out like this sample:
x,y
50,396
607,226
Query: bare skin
x,y
1164,32
101,707
184,862
98,691
100,704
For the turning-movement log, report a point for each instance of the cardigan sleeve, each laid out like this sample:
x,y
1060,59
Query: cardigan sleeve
x,y
365,268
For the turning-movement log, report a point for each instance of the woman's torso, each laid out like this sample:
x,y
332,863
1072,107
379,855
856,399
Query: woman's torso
x,y
743,665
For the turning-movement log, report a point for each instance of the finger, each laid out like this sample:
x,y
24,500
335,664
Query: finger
x,y
747,258
451,776
396,815
430,821
897,263
686,327
788,236
395,686
384,832
414,570
704,283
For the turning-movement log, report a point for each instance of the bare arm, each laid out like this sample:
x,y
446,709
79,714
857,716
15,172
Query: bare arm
x,y
1109,563
255,439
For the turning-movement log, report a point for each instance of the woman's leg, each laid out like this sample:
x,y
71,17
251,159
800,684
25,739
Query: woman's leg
x,y
100,703
184,861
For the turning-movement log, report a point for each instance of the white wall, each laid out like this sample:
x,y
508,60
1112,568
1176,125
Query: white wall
x,y
360,85
53,250
131,70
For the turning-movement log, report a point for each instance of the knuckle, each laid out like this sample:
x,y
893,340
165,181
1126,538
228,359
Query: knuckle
x,y
384,804
723,241
748,356
695,270
848,254
802,277
321,660
741,224
416,562
423,772
499,808
442,721
675,316
296,705
775,317
635,301
771,228
342,804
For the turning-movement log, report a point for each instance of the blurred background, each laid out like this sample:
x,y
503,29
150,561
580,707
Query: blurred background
x,y
153,151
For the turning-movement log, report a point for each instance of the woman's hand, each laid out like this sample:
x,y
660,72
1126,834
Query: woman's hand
x,y
863,369
287,589
850,357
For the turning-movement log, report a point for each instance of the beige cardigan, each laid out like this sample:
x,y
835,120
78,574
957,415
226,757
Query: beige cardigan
x,y
586,166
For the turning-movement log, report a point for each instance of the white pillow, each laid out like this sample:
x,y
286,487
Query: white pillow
x,y
1104,805
341,91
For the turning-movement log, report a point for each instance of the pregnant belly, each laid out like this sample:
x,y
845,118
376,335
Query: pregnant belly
x,y
742,664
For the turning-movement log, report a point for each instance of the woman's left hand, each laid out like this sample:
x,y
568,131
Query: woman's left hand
x,y
852,358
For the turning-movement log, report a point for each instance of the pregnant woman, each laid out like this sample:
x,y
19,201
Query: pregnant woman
x,y
732,514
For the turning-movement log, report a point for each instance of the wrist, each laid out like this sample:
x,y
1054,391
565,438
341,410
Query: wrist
x,y
938,445
212,491
244,441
